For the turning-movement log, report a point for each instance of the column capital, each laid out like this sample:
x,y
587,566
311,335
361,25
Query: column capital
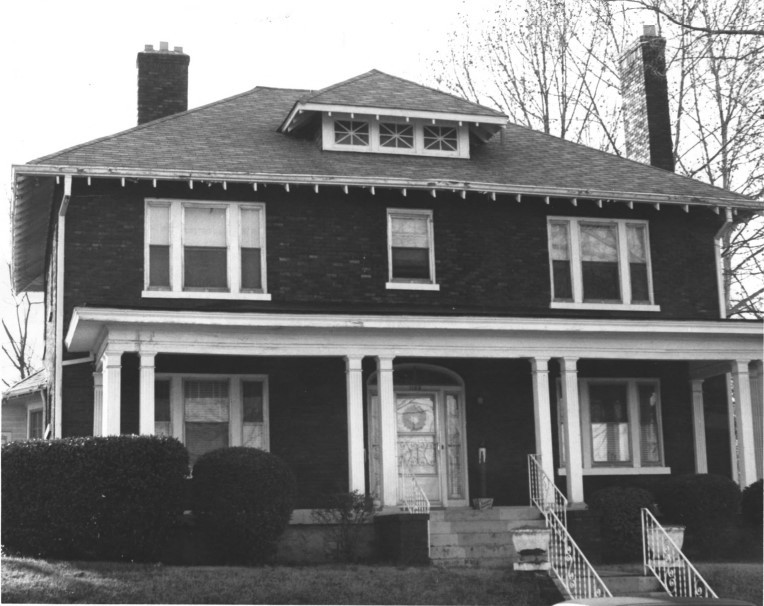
x,y
353,363
569,365
111,358
539,365
148,358
385,362
739,366
98,379
697,384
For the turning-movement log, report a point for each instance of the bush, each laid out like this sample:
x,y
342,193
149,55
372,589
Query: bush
x,y
243,499
751,505
344,514
103,498
706,504
619,509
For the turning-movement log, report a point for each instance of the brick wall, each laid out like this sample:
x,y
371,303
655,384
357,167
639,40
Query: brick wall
x,y
162,84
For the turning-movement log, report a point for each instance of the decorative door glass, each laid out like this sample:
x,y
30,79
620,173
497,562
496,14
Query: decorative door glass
x,y
454,446
417,427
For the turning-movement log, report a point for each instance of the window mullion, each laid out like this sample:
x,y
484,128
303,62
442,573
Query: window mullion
x,y
623,263
233,229
176,246
235,413
374,135
575,262
586,426
431,246
177,415
634,424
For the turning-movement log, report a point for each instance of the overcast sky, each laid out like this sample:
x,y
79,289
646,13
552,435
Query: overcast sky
x,y
68,67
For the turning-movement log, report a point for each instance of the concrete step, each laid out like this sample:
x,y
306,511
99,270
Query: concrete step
x,y
471,538
495,513
620,583
473,552
481,526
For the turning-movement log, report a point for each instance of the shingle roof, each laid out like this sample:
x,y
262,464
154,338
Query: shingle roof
x,y
34,382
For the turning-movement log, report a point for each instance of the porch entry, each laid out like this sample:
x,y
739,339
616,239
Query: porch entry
x,y
430,431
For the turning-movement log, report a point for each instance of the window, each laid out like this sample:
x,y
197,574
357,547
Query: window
x,y
207,412
205,250
411,255
600,264
620,426
395,135
35,420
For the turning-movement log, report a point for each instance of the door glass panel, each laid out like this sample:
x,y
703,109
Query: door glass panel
x,y
454,447
417,441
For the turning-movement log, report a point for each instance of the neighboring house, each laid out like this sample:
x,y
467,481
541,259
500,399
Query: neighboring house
x,y
379,269
23,412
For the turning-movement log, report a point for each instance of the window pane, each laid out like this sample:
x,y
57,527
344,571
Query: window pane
x,y
639,289
206,408
563,288
560,241
409,232
411,263
159,225
159,266
350,132
599,263
252,393
441,138
609,417
635,236
162,426
250,228
205,267
599,243
35,425
204,226
396,135
649,438
204,437
251,273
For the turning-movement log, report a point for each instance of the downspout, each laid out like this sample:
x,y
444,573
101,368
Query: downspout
x,y
718,238
58,383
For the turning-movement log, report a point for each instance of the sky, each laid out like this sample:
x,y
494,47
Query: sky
x,y
68,68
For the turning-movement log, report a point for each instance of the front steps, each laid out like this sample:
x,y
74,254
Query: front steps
x,y
630,580
478,537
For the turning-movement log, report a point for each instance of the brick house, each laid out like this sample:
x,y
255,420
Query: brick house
x,y
378,276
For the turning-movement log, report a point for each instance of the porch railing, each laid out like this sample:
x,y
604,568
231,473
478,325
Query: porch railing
x,y
667,562
411,493
568,563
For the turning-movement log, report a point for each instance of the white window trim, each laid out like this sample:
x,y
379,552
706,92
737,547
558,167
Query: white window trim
x,y
233,260
31,410
577,281
374,146
635,467
404,283
236,412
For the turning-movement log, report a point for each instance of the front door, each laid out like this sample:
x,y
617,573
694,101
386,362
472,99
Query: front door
x,y
429,423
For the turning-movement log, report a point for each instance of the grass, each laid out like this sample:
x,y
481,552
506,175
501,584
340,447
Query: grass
x,y
47,581
740,580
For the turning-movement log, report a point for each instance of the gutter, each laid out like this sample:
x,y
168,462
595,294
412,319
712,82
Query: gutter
x,y
718,238
58,379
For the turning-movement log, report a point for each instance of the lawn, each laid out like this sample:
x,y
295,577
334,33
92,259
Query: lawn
x,y
741,580
42,581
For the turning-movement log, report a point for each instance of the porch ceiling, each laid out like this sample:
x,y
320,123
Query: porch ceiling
x,y
96,329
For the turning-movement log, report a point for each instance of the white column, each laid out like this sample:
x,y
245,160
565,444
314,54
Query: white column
x,y
734,467
744,423
97,403
757,409
572,412
354,382
542,414
111,366
699,426
388,431
146,425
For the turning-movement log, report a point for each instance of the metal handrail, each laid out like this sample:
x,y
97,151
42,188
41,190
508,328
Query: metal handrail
x,y
543,492
667,562
411,493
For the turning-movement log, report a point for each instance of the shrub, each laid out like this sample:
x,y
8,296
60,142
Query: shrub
x,y
243,499
706,504
344,514
105,498
751,505
619,509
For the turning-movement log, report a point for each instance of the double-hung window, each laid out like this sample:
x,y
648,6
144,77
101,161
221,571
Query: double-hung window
x,y
600,264
35,424
205,249
410,250
207,412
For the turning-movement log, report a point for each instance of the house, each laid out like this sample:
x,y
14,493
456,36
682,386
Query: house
x,y
23,408
378,278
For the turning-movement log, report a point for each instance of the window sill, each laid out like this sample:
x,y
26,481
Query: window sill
x,y
620,471
241,296
411,286
604,306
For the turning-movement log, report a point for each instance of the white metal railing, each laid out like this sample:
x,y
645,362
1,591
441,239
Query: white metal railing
x,y
544,494
667,562
410,492
567,561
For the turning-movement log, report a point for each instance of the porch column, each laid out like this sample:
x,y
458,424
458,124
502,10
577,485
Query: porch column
x,y
111,367
699,426
97,403
744,423
389,440
542,415
146,425
757,408
572,413
356,467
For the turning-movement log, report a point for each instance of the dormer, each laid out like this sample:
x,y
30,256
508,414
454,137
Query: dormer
x,y
379,113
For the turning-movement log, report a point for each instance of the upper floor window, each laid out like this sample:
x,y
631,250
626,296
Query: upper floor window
x,y
205,249
410,250
600,264
395,135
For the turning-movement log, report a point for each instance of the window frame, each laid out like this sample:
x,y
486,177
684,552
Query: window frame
x,y
32,411
394,283
635,465
574,225
375,142
177,288
236,403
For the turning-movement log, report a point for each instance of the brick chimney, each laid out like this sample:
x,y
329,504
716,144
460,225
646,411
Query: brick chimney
x,y
645,101
162,82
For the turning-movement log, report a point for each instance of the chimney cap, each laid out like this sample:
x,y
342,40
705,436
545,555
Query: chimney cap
x,y
648,30
164,47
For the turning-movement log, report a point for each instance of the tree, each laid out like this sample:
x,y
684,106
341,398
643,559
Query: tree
x,y
19,349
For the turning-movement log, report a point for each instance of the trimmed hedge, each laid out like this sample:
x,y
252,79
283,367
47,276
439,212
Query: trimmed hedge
x,y
752,504
112,498
619,509
243,499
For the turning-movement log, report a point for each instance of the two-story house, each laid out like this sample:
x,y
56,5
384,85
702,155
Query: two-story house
x,y
380,277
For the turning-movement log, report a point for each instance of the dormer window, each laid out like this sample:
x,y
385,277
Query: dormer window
x,y
395,135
